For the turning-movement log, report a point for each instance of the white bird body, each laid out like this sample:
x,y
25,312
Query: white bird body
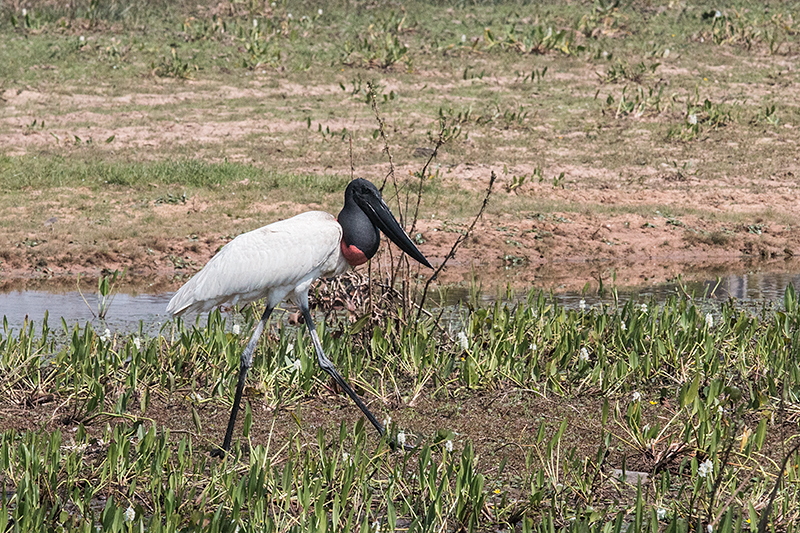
x,y
272,262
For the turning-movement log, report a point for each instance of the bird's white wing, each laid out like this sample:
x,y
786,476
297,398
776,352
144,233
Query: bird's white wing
x,y
268,262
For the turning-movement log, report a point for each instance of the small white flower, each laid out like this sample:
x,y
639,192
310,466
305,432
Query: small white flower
x,y
720,410
255,23
717,14
401,438
645,428
130,514
661,513
623,326
582,305
666,52
533,347
289,16
463,341
463,38
106,336
81,38
290,348
273,4
24,12
80,448
376,525
692,119
644,308
347,458
709,321
584,356
709,527
138,343
319,12
296,364
448,446
705,468
637,396
387,421
236,329
195,397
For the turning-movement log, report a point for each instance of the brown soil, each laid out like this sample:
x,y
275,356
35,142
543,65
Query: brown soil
x,y
733,221
502,424
558,251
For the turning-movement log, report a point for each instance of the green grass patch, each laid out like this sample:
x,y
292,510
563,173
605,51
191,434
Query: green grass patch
x,y
696,401
17,173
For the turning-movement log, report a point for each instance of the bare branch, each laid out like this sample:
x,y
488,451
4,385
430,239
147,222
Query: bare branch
x,y
402,260
373,98
461,238
439,142
352,163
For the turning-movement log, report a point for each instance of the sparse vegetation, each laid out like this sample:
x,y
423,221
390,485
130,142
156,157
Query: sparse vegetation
x,y
672,397
715,238
140,133
231,103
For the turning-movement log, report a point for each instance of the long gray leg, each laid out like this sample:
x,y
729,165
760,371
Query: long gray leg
x,y
328,367
246,363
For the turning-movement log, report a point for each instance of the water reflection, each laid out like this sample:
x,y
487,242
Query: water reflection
x,y
124,313
752,290
755,287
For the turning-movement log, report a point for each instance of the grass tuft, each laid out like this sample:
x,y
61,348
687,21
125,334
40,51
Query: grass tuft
x,y
688,427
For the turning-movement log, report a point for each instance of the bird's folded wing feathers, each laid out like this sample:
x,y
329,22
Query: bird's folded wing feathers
x,y
269,261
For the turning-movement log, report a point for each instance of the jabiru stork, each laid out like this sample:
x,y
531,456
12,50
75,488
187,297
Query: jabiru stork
x,y
282,260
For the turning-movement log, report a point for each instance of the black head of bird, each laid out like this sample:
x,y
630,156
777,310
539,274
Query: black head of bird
x,y
363,214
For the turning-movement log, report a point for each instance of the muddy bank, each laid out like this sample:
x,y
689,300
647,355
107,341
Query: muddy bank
x,y
558,252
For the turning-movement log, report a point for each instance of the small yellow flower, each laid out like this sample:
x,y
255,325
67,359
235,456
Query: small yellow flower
x,y
497,491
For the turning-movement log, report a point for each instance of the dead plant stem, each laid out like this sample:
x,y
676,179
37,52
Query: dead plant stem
x,y
461,238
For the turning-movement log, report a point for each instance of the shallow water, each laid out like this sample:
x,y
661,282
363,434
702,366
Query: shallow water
x,y
126,311
751,291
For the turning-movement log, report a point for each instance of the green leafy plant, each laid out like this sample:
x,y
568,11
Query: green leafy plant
x,y
172,66
105,292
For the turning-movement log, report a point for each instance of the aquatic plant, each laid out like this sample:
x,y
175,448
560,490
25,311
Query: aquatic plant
x,y
636,420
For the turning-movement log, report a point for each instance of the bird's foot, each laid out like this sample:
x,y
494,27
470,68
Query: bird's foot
x,y
219,453
394,445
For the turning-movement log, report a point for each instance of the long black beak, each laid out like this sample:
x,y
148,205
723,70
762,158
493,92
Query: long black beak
x,y
380,215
